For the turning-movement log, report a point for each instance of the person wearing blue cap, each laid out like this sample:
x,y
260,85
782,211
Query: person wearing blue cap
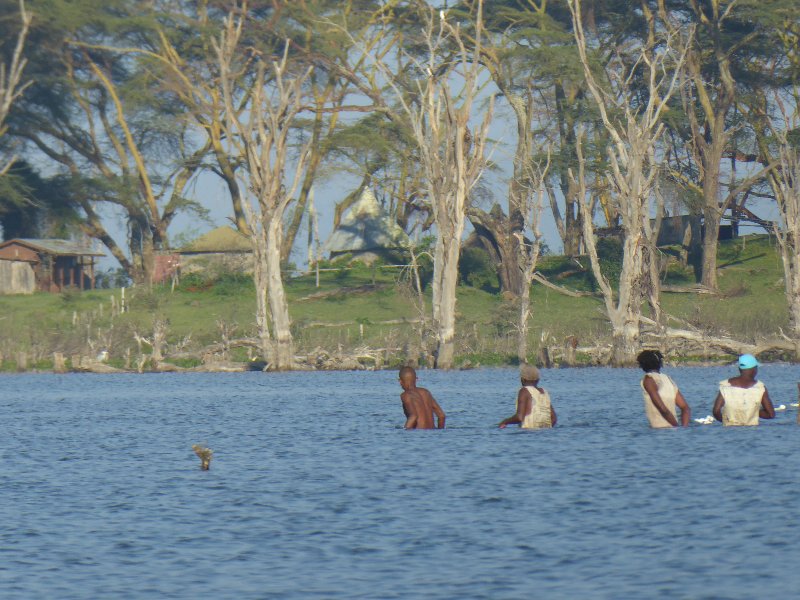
x,y
742,400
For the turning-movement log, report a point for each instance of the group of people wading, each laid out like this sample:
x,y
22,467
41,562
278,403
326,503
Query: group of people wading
x,y
741,400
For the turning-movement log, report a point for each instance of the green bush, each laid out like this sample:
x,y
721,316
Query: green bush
x,y
609,254
477,270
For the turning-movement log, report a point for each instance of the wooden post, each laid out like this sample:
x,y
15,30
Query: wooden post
x,y
22,361
91,274
544,357
75,361
72,276
59,363
570,344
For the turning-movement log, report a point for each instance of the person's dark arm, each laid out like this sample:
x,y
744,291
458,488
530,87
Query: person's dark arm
x,y
553,417
410,410
686,412
767,411
523,408
440,416
652,390
719,402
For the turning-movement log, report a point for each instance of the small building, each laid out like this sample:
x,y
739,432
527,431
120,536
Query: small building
x,y
47,265
221,250
366,232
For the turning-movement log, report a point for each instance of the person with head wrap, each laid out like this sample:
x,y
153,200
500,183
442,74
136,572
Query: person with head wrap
x,y
742,400
534,410
661,395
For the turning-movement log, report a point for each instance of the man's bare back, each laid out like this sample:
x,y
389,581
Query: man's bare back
x,y
419,405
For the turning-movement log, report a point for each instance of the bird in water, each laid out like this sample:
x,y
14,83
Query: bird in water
x,y
204,454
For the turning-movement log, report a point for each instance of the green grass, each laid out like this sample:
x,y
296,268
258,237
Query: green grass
x,y
751,304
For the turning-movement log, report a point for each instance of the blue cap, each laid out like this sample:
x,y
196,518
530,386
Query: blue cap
x,y
747,361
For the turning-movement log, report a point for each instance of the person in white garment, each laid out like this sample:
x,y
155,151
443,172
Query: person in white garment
x,y
660,394
534,410
742,400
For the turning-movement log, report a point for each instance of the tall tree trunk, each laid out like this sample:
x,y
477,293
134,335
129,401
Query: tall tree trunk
x,y
524,320
445,280
260,279
711,212
791,269
496,231
625,340
283,354
569,224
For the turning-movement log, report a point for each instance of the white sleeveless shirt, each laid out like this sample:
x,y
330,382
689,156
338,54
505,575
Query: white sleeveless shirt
x,y
539,417
741,404
667,390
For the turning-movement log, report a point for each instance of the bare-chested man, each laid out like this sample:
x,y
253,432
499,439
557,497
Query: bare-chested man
x,y
418,403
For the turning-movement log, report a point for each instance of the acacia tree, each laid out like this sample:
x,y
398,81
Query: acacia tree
x,y
635,127
722,60
107,132
11,85
262,97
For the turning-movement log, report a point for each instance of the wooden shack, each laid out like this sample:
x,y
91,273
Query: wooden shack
x,y
47,265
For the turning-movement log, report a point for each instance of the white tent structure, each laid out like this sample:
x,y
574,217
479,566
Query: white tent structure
x,y
366,231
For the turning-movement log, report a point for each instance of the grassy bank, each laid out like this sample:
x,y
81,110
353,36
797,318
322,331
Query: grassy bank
x,y
374,308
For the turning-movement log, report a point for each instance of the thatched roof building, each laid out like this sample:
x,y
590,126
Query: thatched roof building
x,y
366,232
220,240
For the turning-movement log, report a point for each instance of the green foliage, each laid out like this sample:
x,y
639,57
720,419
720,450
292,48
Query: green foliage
x,y
609,254
70,296
477,269
112,278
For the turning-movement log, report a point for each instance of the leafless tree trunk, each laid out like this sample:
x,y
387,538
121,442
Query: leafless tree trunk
x,y
259,137
11,86
529,251
634,130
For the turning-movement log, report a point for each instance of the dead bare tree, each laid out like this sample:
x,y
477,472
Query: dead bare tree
x,y
452,156
11,85
785,182
529,250
634,129
262,98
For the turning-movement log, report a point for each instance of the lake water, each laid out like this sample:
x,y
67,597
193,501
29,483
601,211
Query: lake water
x,y
316,492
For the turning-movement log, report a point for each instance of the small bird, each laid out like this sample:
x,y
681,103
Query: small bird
x,y
781,407
102,356
204,454
705,420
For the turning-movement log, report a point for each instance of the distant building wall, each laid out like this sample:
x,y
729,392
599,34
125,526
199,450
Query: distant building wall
x,y
675,231
16,277
166,265
19,252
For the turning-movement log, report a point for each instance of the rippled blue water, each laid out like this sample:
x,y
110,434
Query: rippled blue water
x,y
315,491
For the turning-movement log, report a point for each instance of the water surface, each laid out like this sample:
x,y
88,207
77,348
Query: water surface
x,y
316,491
